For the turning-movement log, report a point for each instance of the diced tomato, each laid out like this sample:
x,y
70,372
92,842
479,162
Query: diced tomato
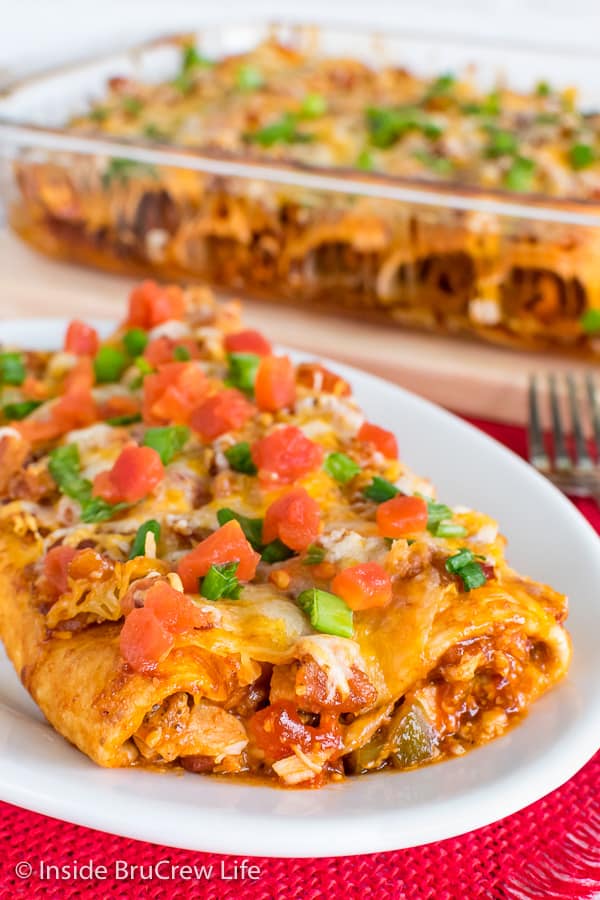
x,y
277,728
150,304
119,405
275,383
318,378
81,377
364,586
286,454
56,568
401,516
383,441
144,641
174,610
248,341
75,409
81,339
294,519
227,544
224,411
135,474
162,349
172,393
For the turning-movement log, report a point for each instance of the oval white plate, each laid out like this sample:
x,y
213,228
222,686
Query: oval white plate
x,y
548,539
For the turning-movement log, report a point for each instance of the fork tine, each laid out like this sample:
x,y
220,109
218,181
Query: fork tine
x,y
562,460
594,410
537,451
583,459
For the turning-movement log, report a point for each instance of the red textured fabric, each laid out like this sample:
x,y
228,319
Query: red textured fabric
x,y
549,850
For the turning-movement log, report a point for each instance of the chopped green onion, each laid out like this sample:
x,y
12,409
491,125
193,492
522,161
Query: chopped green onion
x,y
327,612
581,156
436,513
313,106
489,107
154,133
120,169
109,364
138,547
501,143
132,105
143,365
249,78
472,576
167,440
124,420
276,551
240,458
98,114
380,490
365,161
450,530
341,467
441,85
314,555
542,89
191,59
458,560
16,411
387,126
521,175
242,370
98,510
590,321
252,528
181,354
64,465
220,581
441,165
283,130
465,566
135,341
12,368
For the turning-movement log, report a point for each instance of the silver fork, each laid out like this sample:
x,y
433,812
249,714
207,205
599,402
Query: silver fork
x,y
576,473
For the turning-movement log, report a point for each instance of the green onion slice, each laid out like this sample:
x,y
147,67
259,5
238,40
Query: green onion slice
x,y
167,440
242,371
109,364
314,555
220,581
135,341
380,490
12,368
276,551
590,321
64,465
239,458
138,547
252,528
341,467
124,420
327,612
16,411
467,568
313,106
249,78
581,156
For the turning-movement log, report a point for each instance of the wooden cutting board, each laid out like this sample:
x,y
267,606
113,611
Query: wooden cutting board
x,y
470,378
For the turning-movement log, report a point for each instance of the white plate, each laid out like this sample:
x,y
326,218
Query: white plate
x,y
548,539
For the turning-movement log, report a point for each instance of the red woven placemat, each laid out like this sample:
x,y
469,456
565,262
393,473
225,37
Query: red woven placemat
x,y
549,850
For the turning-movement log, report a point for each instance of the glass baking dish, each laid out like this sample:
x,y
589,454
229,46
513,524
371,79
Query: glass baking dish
x,y
517,270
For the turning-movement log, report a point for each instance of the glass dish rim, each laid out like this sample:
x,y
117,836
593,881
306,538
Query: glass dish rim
x,y
335,179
